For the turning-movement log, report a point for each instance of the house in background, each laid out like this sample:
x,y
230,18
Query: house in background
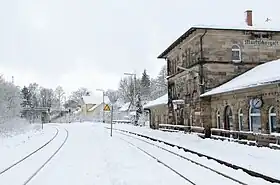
x,y
87,107
158,111
124,111
96,112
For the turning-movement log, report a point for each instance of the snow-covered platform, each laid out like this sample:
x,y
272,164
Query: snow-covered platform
x,y
262,160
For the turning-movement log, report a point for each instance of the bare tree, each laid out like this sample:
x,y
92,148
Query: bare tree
x,y
59,94
159,84
126,89
47,97
77,95
35,94
112,95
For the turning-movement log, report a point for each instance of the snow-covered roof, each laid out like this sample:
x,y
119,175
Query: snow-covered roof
x,y
241,27
94,107
95,99
267,73
125,107
163,100
264,27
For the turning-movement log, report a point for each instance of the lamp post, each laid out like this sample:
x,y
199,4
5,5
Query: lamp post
x,y
134,90
103,94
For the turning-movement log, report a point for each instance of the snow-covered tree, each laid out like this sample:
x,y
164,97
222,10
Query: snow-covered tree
x,y
126,88
10,100
59,95
47,97
145,85
35,94
26,103
112,95
159,84
76,96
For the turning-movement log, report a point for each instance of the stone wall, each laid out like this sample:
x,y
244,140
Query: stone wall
x,y
240,100
217,45
159,115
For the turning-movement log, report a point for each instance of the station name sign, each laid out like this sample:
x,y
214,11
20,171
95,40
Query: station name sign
x,y
269,43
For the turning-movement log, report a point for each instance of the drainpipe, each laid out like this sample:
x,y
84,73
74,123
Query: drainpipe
x,y
207,128
201,62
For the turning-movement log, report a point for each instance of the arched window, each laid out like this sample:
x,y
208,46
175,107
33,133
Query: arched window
x,y
228,123
240,119
272,120
255,120
218,119
236,54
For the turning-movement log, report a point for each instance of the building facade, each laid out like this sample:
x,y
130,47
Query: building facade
x,y
158,111
248,103
232,111
204,58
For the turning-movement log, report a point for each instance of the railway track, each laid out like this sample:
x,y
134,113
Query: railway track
x,y
29,162
233,166
181,158
30,154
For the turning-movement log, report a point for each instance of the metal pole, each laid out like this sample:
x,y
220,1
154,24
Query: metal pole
x,y
112,121
103,107
42,122
134,90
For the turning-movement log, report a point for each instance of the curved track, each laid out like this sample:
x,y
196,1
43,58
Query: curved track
x,y
48,160
30,154
20,165
233,166
180,156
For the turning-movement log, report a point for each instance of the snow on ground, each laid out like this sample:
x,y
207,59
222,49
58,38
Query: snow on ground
x,y
28,167
262,160
13,148
91,156
212,177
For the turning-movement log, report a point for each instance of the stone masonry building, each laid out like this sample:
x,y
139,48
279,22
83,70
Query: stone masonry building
x,y
205,57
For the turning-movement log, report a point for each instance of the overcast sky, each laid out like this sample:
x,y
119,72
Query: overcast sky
x,y
91,43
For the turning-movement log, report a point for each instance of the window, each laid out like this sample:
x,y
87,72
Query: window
x,y
218,119
228,124
272,120
236,53
240,119
255,120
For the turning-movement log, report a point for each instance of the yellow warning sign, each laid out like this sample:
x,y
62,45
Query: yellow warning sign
x,y
106,107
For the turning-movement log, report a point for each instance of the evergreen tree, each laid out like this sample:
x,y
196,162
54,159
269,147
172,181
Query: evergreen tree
x,y
26,102
26,95
145,85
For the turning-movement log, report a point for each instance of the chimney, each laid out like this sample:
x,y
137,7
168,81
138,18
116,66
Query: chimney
x,y
249,17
